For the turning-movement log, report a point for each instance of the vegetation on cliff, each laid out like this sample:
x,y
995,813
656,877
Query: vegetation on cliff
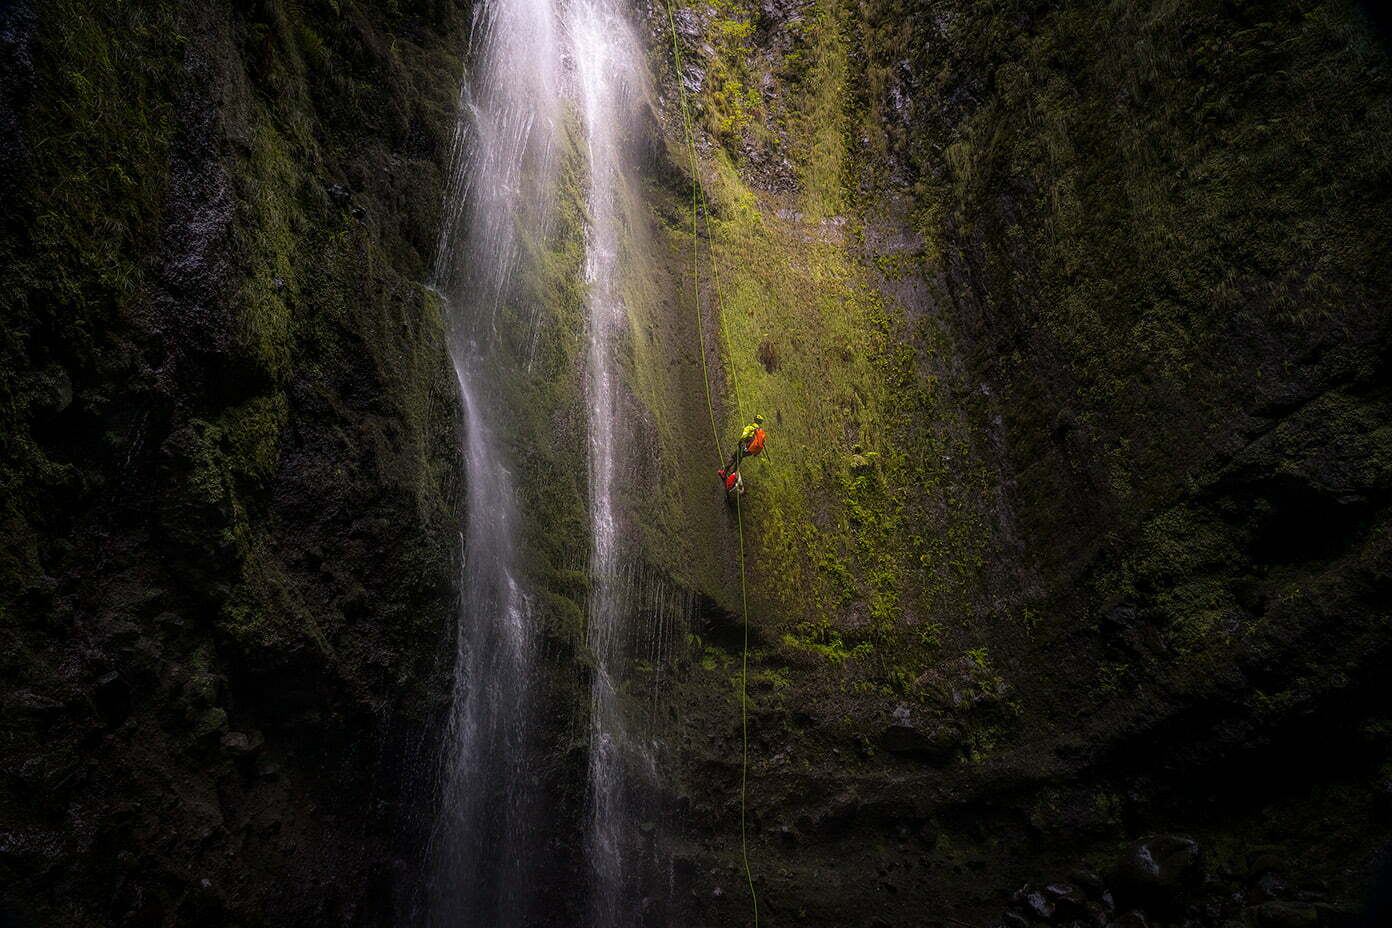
x,y
228,453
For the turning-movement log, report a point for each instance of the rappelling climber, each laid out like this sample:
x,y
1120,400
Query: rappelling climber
x,y
751,443
732,481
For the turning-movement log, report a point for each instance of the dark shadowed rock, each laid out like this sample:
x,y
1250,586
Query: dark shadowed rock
x,y
112,699
1129,920
1282,915
1121,618
242,743
1338,916
1158,870
932,741
1382,805
1268,885
1264,860
1068,901
1089,882
1033,901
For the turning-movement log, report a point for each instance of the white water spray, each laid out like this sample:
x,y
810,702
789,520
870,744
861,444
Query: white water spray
x,y
483,847
606,55
499,205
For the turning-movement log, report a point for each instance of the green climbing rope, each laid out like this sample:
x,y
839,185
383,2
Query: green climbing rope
x,y
744,719
697,207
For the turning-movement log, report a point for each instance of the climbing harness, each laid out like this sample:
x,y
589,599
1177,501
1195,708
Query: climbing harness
x,y
732,481
698,206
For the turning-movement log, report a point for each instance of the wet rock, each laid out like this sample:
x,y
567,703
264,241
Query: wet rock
x,y
1034,902
1158,871
690,23
1013,919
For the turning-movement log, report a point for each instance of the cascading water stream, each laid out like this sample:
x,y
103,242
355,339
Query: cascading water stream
x,y
484,845
481,858
606,51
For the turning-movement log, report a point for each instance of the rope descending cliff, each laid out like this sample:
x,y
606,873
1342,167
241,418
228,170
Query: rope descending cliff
x,y
697,207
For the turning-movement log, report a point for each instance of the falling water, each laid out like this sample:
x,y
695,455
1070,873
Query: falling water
x,y
537,59
484,845
606,51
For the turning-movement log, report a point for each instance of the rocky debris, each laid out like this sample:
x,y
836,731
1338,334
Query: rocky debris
x,y
1160,881
1061,903
1032,901
1157,871
1264,874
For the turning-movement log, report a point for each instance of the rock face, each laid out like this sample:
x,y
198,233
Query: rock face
x,y
1072,527
227,458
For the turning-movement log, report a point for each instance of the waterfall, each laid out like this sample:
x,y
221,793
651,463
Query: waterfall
x,y
535,62
483,846
606,51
